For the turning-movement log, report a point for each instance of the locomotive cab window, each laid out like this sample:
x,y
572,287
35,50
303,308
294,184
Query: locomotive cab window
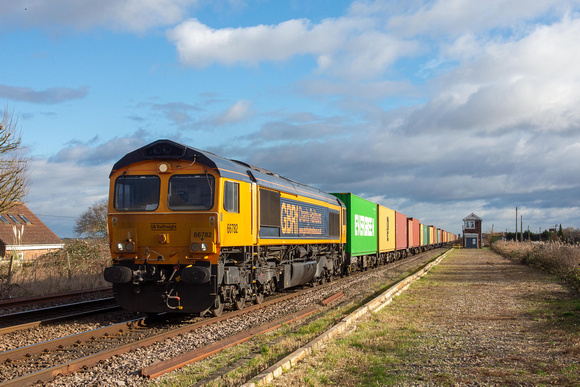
x,y
231,196
137,193
191,192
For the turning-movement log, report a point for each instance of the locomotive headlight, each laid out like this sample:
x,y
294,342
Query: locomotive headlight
x,y
130,247
163,167
203,247
126,247
194,247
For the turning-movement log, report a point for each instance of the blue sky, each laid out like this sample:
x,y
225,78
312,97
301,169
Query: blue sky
x,y
434,108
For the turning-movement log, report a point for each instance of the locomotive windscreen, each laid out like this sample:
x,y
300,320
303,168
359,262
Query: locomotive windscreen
x,y
137,193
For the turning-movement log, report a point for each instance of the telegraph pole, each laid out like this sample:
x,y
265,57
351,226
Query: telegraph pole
x,y
516,224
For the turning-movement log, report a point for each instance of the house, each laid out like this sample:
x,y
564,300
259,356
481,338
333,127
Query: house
x,y
472,238
21,232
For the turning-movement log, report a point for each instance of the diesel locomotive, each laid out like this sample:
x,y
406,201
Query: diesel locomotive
x,y
191,232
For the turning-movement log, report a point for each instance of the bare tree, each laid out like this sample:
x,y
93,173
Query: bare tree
x,y
93,222
14,168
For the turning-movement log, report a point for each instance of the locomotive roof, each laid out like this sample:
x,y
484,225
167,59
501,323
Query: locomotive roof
x,y
238,170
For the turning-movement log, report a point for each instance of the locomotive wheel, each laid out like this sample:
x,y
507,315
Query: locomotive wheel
x,y
259,298
240,303
217,310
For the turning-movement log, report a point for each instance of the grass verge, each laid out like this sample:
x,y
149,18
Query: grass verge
x,y
556,258
234,366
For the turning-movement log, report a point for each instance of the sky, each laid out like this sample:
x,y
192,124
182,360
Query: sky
x,y
437,109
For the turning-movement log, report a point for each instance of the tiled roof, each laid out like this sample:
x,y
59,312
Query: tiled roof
x,y
472,216
35,232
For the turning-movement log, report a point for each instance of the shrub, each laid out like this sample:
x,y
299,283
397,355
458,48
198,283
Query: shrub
x,y
554,257
78,265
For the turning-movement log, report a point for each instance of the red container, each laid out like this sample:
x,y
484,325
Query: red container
x,y
413,232
400,231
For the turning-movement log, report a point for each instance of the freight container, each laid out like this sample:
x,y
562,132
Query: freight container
x,y
360,226
422,235
386,232
401,232
413,234
433,235
430,234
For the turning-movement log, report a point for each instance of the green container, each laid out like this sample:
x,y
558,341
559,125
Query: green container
x,y
426,238
361,225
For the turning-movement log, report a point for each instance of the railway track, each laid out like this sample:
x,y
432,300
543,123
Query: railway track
x,y
26,365
30,318
44,361
26,301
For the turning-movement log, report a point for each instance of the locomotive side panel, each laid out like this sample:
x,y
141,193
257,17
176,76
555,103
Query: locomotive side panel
x,y
291,219
237,213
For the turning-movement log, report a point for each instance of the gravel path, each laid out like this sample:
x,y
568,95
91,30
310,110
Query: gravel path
x,y
475,319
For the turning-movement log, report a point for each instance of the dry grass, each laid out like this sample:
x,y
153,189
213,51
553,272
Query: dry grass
x,y
79,265
516,328
556,258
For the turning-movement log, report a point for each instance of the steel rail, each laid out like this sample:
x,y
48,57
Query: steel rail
x,y
184,359
30,316
32,324
201,353
49,374
51,345
8,303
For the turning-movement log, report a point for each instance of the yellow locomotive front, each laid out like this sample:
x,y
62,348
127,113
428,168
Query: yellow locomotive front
x,y
164,231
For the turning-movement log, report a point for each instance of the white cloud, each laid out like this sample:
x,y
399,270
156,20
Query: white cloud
x,y
239,111
456,17
532,82
59,193
349,47
53,95
131,15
